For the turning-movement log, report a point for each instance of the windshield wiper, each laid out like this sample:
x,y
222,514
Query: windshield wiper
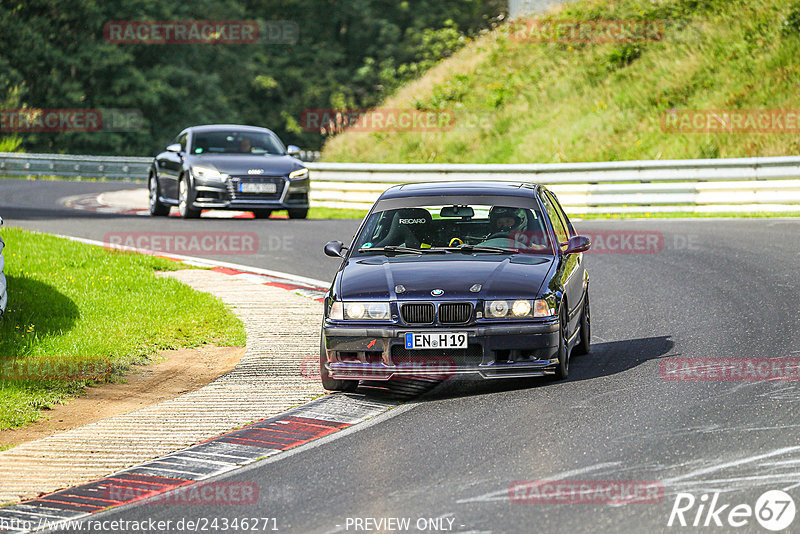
x,y
392,248
486,248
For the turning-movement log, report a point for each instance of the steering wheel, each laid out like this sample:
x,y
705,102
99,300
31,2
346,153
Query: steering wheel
x,y
498,235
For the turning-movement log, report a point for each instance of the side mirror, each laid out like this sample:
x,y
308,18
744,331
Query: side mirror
x,y
174,148
578,243
334,249
293,150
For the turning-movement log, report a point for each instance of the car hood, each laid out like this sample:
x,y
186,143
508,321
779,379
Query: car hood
x,y
500,276
244,164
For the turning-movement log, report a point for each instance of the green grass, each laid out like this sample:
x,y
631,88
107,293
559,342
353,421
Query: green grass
x,y
682,215
335,213
519,102
84,308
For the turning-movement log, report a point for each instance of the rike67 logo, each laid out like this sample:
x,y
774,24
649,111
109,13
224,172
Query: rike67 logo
x,y
774,510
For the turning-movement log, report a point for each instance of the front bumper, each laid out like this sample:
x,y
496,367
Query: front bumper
x,y
216,195
495,351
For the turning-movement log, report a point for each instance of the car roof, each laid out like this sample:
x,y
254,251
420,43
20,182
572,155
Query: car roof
x,y
477,188
214,127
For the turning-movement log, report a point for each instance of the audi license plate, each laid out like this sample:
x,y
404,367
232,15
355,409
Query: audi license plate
x,y
258,188
436,340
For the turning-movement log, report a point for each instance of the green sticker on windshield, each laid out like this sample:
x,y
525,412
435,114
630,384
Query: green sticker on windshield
x,y
198,150
366,245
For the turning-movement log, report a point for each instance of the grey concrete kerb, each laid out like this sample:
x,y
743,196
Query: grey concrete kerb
x,y
282,331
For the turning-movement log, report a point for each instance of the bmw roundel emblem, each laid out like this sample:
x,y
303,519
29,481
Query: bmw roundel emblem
x,y
437,292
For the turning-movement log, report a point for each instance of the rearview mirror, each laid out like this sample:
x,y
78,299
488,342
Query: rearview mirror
x,y
457,211
334,249
174,148
578,243
293,150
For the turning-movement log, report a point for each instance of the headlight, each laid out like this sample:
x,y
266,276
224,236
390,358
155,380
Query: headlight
x,y
542,308
518,309
298,174
521,308
497,309
336,312
208,174
359,311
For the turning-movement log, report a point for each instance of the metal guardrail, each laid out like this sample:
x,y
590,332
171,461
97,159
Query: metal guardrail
x,y
745,184
117,168
110,167
715,185
3,292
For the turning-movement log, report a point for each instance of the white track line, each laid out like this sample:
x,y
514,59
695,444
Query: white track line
x,y
203,261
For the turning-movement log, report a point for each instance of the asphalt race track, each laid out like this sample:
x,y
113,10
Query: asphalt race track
x,y
706,288
282,245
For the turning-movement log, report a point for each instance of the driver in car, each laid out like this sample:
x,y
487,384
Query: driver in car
x,y
503,220
510,223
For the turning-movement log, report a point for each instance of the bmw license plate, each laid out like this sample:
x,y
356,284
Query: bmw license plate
x,y
258,188
436,340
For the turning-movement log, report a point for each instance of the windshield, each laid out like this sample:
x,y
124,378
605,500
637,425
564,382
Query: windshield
x,y
236,142
473,228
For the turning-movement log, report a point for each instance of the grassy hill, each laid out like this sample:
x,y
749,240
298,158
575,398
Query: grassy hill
x,y
518,101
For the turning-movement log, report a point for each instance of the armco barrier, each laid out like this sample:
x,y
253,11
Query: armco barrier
x,y
715,185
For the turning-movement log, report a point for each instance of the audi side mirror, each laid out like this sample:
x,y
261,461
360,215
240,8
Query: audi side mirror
x,y
174,148
334,249
578,243
293,150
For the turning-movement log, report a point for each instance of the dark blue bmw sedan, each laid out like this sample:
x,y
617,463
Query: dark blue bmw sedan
x,y
452,278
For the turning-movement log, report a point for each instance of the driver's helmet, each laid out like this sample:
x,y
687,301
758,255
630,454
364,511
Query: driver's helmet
x,y
503,219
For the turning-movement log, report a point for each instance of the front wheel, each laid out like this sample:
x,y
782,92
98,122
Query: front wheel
x,y
298,213
157,208
562,370
332,384
184,202
586,329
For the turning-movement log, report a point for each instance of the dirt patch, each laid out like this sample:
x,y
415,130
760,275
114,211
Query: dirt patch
x,y
180,371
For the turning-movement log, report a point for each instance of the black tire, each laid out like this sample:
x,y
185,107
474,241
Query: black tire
x,y
184,194
298,213
262,214
331,384
562,370
585,344
157,208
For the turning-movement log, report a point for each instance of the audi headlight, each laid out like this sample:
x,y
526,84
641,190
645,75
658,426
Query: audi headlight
x,y
360,311
518,309
209,174
298,174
